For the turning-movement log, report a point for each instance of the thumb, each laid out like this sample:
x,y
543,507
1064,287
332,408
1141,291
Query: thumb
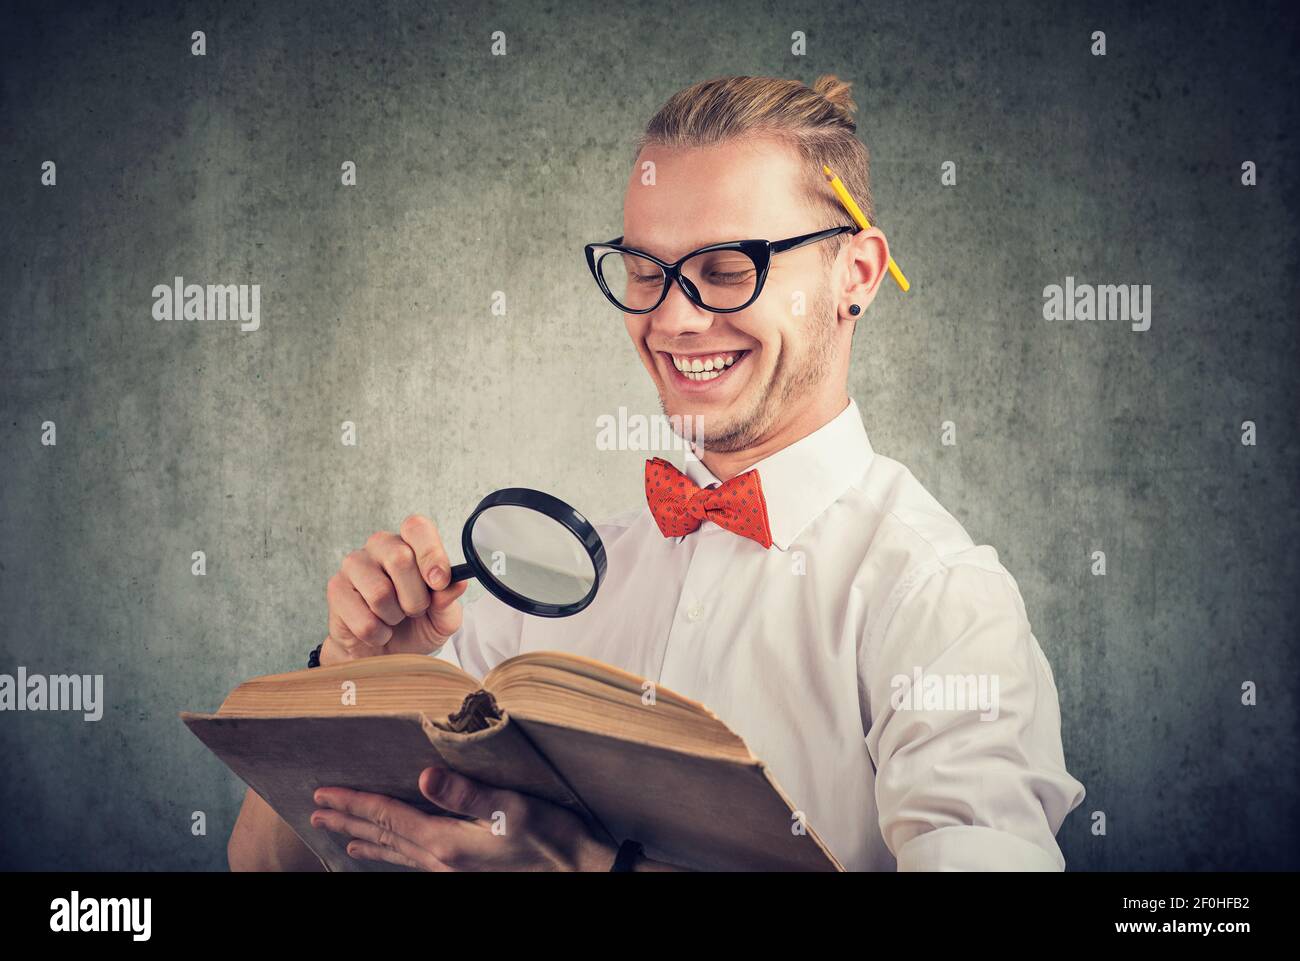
x,y
438,785
445,613
458,794
430,779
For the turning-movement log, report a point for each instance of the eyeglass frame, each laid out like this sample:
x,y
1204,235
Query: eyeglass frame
x,y
760,252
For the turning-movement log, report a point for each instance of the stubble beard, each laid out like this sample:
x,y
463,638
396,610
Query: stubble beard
x,y
793,377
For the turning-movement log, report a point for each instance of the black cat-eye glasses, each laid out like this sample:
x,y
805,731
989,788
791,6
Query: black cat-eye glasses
x,y
721,278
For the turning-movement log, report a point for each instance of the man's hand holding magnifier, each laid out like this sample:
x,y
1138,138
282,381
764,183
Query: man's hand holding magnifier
x,y
393,596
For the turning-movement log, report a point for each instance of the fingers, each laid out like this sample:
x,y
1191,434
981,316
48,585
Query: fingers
x,y
396,589
366,851
422,536
426,838
352,624
370,581
396,560
445,614
375,842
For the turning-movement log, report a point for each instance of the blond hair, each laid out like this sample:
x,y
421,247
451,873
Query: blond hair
x,y
817,122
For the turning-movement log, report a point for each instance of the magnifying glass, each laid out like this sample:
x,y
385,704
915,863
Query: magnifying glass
x,y
533,552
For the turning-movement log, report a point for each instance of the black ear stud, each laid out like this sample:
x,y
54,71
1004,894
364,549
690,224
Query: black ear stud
x,y
854,309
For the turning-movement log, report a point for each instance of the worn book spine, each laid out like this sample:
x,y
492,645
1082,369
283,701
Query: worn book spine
x,y
481,741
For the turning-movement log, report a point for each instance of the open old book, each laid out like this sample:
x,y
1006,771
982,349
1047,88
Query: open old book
x,y
663,770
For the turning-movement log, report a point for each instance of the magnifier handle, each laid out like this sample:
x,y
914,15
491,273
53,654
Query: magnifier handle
x,y
461,572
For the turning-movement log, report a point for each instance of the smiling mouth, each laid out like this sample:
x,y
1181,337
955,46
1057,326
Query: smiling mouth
x,y
704,368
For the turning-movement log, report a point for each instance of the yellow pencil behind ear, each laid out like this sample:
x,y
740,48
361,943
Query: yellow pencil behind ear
x,y
860,219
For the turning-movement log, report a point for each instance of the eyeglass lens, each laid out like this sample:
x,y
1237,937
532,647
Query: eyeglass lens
x,y
725,279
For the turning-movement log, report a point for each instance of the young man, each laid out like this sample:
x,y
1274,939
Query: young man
x,y
812,619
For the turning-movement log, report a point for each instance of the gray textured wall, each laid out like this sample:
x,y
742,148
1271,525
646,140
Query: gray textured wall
x,y
481,173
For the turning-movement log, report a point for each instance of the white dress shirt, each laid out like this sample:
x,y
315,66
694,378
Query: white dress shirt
x,y
810,651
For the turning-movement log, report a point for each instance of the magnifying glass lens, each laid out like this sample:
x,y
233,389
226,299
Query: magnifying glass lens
x,y
532,554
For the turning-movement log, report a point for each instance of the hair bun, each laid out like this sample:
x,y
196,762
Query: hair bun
x,y
837,92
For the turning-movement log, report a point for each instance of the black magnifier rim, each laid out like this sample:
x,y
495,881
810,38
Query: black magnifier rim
x,y
555,509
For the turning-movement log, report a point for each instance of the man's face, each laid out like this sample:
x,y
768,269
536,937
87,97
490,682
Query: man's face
x,y
743,190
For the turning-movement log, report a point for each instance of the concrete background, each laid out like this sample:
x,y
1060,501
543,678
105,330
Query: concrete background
x,y
480,173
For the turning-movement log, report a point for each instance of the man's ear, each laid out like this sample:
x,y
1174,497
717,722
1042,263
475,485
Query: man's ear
x,y
867,263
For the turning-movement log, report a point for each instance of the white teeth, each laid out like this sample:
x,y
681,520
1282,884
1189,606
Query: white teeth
x,y
696,365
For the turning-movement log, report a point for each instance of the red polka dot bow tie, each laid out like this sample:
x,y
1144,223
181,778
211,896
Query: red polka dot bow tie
x,y
679,505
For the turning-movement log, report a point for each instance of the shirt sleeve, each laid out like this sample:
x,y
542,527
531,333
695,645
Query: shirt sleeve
x,y
965,729
490,632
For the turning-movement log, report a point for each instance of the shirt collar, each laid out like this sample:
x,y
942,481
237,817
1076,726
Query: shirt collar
x,y
802,480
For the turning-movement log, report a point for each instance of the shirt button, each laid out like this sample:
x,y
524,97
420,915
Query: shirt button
x,y
695,613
